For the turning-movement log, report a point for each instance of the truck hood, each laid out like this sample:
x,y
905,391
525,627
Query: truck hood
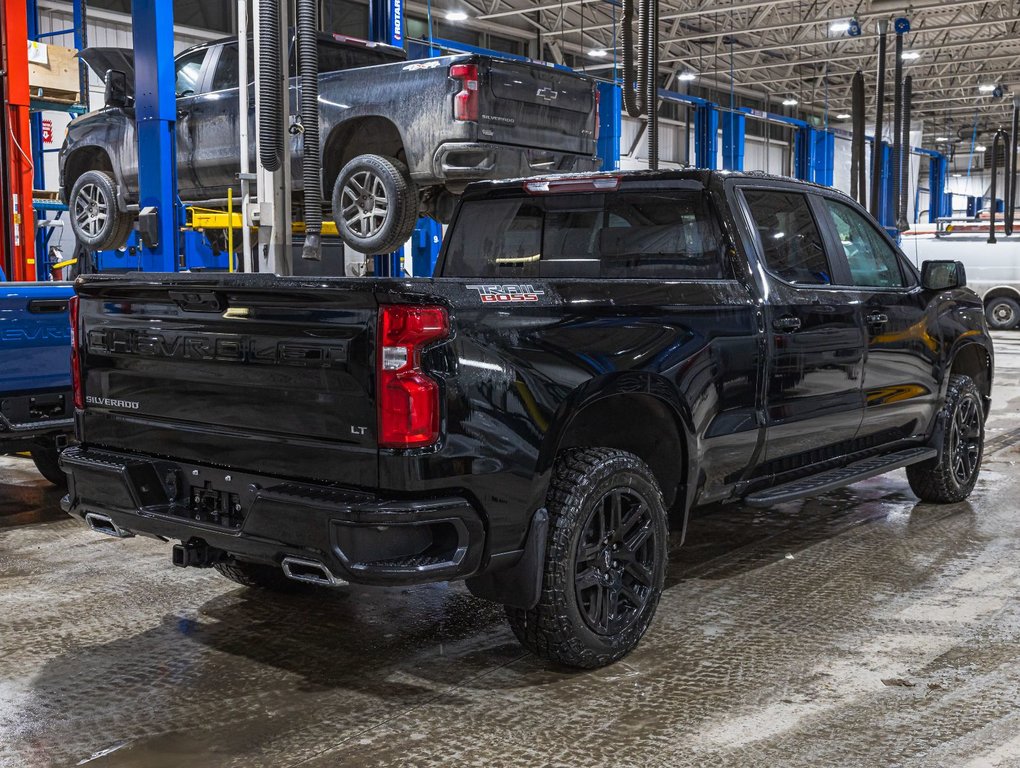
x,y
100,60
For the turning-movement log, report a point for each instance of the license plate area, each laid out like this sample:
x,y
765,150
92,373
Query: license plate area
x,y
213,506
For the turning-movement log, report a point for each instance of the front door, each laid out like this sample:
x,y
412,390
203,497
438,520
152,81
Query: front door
x,y
900,391
814,401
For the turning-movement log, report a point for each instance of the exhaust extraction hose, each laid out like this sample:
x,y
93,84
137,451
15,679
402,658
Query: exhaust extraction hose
x,y
651,81
271,129
858,183
311,157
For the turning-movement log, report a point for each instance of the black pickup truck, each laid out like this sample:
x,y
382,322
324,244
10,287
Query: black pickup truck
x,y
598,355
445,122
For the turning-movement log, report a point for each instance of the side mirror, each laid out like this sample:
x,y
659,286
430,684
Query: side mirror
x,y
116,93
943,275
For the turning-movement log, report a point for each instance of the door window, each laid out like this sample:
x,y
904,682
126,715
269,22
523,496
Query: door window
x,y
873,262
225,75
668,235
790,240
189,73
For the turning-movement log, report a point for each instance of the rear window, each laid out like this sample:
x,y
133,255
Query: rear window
x,y
335,57
641,235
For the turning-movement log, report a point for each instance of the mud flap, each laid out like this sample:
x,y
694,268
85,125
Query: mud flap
x,y
518,585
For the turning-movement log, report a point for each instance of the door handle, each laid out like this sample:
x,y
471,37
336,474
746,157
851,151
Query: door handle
x,y
877,318
786,324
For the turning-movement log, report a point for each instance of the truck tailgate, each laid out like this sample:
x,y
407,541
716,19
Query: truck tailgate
x,y
35,337
276,375
537,106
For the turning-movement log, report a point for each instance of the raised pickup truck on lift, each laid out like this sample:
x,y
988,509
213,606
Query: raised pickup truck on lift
x,y
596,356
36,410
398,138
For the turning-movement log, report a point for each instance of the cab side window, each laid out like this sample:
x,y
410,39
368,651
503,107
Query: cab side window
x,y
189,73
873,262
791,243
225,75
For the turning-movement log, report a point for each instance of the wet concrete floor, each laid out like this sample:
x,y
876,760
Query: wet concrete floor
x,y
857,629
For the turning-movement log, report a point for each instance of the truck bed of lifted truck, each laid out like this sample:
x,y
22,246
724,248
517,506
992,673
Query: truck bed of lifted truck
x,y
597,355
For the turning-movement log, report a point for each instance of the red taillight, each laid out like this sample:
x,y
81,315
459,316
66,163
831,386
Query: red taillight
x,y
465,103
598,119
408,399
76,382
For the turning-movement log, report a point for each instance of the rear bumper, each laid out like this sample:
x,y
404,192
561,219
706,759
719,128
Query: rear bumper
x,y
25,420
358,537
463,162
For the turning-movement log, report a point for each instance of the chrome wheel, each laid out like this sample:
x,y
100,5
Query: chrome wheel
x,y
965,440
615,564
364,204
91,210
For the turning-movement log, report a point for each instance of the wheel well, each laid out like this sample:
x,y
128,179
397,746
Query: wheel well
x,y
639,424
361,136
972,360
1000,292
85,159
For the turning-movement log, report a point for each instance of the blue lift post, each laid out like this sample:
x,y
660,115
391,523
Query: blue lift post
x,y
706,127
610,119
734,131
156,115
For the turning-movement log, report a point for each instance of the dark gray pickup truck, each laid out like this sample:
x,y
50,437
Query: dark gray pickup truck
x,y
445,122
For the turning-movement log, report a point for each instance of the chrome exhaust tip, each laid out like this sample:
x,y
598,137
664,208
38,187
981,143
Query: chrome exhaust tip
x,y
104,524
310,572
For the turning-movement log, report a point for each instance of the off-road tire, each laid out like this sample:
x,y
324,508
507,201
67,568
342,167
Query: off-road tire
x,y
113,231
1002,313
388,181
257,576
557,628
46,461
938,480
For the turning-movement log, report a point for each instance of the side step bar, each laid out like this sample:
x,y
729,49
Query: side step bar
x,y
837,478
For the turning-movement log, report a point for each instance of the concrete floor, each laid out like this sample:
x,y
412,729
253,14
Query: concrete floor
x,y
857,629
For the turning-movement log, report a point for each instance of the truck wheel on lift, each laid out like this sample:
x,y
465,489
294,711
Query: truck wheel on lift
x,y
96,220
1003,313
45,458
375,204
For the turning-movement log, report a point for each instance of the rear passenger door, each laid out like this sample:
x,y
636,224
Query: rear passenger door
x,y
900,391
813,399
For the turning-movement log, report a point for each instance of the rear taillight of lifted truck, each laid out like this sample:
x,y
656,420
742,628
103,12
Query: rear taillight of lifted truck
x,y
408,399
77,387
465,103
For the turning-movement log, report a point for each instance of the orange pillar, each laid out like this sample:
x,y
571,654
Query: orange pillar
x,y
17,135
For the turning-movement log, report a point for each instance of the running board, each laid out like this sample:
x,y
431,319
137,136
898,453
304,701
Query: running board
x,y
837,478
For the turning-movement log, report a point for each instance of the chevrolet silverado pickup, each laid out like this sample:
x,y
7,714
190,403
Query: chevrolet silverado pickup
x,y
36,411
597,355
445,122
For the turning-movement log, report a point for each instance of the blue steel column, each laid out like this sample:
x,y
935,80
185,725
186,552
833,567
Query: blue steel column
x,y
734,125
706,133
156,115
610,111
38,161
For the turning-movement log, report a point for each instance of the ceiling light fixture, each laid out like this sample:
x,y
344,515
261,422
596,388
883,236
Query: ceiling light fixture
x,y
456,16
598,53
840,26
987,87
980,148
790,102
911,55
843,116
687,76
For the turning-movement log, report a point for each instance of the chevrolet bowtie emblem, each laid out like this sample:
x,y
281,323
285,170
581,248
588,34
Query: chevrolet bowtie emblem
x,y
549,94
